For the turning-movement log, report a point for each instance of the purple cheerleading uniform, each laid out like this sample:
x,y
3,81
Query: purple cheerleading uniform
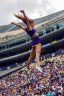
x,y
35,40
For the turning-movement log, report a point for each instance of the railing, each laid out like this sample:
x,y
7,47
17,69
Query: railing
x,y
47,23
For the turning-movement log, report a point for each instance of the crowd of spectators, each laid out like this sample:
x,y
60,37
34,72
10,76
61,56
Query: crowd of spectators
x,y
34,83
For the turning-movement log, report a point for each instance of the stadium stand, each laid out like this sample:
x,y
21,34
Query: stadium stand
x,y
51,81
22,48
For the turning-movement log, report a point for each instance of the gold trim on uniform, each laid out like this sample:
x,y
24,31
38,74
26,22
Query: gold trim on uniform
x,y
36,45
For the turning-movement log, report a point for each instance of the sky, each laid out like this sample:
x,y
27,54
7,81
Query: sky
x,y
33,8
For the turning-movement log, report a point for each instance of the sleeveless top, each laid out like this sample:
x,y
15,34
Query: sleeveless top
x,y
31,32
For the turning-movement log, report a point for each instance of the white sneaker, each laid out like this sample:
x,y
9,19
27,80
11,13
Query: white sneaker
x,y
39,68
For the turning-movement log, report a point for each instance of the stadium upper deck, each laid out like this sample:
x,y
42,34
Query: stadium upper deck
x,y
8,28
13,36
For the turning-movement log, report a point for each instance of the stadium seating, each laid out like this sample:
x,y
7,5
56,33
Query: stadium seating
x,y
51,81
